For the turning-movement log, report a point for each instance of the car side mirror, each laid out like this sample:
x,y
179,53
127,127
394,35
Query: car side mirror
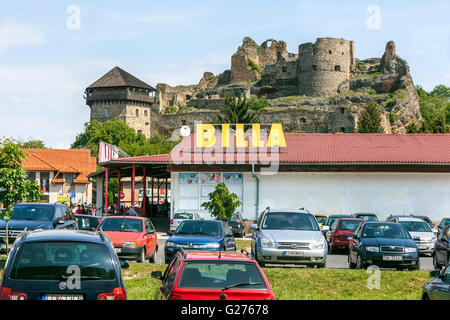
x,y
435,274
254,226
157,275
124,264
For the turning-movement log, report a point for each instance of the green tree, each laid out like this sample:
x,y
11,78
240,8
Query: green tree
x,y
435,108
441,91
222,204
370,119
14,185
33,144
439,126
236,110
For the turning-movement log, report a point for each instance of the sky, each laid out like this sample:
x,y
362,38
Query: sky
x,y
51,50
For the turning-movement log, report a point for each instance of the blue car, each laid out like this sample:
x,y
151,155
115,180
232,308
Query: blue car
x,y
212,235
384,244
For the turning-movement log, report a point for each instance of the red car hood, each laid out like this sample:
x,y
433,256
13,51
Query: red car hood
x,y
119,237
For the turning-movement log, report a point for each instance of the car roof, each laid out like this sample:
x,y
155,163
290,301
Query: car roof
x,y
289,211
63,235
38,204
125,217
351,219
214,255
365,213
410,219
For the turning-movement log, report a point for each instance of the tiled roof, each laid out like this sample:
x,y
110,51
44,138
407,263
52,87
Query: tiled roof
x,y
118,77
320,148
67,161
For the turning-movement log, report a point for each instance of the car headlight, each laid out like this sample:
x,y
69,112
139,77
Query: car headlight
x,y
130,244
172,244
319,245
410,250
372,249
213,245
267,243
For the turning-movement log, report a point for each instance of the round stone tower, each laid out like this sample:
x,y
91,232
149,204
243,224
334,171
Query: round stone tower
x,y
324,65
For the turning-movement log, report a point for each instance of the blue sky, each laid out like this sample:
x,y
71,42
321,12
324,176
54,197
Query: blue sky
x,y
45,66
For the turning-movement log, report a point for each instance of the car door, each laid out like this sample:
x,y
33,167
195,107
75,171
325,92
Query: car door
x,y
441,288
69,219
229,241
168,280
442,247
151,239
354,245
58,219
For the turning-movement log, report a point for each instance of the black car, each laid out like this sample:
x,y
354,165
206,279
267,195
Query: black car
x,y
63,265
366,216
442,249
88,223
383,244
35,216
237,225
439,288
444,222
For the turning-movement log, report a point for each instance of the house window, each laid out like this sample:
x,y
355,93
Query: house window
x,y
31,175
69,178
337,68
44,181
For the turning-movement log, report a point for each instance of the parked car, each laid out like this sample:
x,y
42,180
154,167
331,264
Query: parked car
x,y
439,288
427,220
288,237
134,238
237,225
444,222
366,216
34,216
180,217
384,244
342,232
322,220
420,231
88,223
41,264
330,221
442,249
200,275
211,235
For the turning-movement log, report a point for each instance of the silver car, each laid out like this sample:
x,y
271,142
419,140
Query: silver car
x,y
421,232
288,237
179,217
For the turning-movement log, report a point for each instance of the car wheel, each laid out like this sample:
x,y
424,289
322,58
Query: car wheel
x,y
425,296
142,257
436,265
359,263
351,265
152,259
261,264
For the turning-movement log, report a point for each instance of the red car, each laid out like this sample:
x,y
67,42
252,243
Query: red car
x,y
342,231
213,275
133,238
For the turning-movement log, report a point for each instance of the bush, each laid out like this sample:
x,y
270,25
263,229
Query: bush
x,y
372,92
254,66
393,117
256,104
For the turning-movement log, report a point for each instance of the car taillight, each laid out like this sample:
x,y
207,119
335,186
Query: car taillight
x,y
171,221
7,294
117,294
272,297
239,221
176,297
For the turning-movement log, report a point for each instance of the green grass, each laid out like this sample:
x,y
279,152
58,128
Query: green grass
x,y
304,283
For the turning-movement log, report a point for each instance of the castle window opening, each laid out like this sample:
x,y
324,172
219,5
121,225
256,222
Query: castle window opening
x,y
145,113
107,113
147,123
137,112
188,97
329,52
303,120
314,67
183,122
284,69
343,129
139,131
342,110
337,68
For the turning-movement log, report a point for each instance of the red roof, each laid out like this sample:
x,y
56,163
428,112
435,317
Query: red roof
x,y
310,148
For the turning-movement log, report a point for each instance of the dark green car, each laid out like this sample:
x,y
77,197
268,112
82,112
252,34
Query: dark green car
x,y
439,288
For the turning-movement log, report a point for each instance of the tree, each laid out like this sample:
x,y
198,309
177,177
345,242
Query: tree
x,y
435,109
441,91
438,125
370,119
222,204
33,144
14,185
236,110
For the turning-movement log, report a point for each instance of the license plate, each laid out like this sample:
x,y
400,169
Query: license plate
x,y
392,258
293,253
62,297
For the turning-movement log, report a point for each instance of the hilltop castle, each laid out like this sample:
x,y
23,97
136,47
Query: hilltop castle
x,y
322,88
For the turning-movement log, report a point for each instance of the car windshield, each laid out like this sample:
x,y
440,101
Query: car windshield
x,y
367,217
416,226
203,228
86,223
391,231
290,221
221,275
122,224
331,220
183,216
60,260
322,220
350,225
33,212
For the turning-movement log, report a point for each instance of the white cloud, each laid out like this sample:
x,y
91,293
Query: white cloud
x,y
15,34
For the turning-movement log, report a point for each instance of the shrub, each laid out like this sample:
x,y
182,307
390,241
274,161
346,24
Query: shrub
x,y
254,66
393,117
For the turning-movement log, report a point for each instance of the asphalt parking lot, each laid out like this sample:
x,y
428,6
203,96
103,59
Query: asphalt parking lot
x,y
334,261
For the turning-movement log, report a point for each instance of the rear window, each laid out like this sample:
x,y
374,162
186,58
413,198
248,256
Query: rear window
x,y
349,225
51,261
290,221
85,223
33,212
367,217
219,275
183,216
